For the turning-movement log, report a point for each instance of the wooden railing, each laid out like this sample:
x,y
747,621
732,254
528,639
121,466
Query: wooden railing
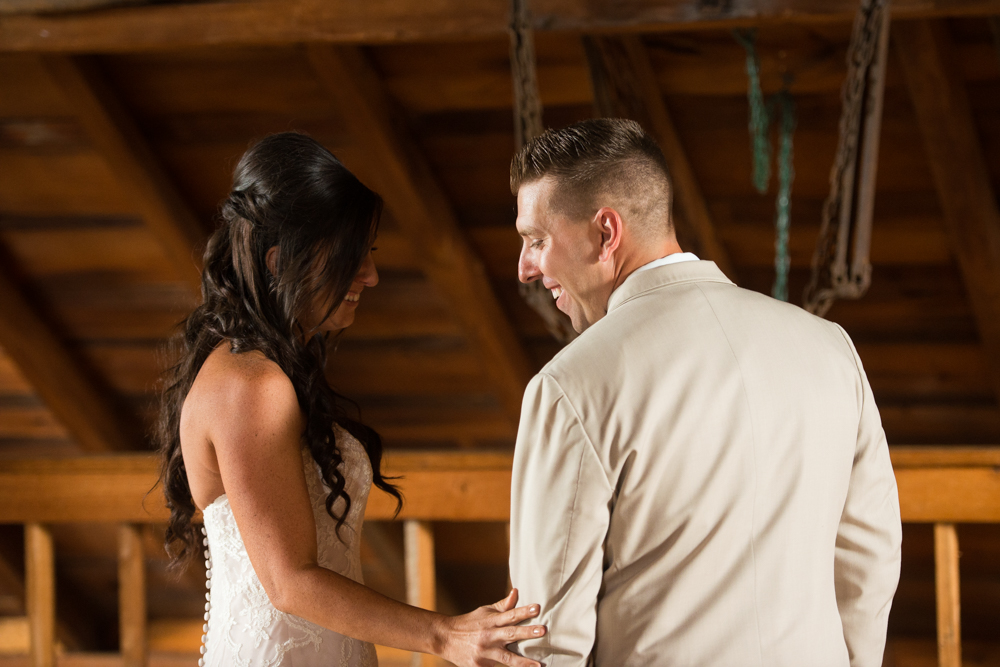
x,y
942,486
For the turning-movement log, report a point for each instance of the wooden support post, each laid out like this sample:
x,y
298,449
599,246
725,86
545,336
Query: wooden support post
x,y
40,590
132,596
947,589
75,627
418,547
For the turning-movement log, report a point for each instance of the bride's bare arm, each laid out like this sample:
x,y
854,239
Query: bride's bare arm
x,y
255,429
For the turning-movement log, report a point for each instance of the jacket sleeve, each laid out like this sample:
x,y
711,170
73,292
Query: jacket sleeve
x,y
869,537
560,500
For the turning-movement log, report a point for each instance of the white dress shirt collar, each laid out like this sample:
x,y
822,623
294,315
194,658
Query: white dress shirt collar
x,y
669,259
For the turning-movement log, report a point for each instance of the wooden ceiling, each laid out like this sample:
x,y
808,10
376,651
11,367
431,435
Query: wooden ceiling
x,y
119,130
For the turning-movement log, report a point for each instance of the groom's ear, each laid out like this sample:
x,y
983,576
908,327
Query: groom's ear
x,y
610,224
271,259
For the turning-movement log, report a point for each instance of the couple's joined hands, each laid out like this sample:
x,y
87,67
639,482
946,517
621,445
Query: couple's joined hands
x,y
479,639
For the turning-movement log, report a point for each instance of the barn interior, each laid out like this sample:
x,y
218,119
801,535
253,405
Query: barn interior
x,y
119,130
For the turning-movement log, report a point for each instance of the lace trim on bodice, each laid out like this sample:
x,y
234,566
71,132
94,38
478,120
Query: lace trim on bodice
x,y
242,627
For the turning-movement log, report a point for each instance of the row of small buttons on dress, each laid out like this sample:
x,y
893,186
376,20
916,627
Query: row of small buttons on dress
x,y
208,598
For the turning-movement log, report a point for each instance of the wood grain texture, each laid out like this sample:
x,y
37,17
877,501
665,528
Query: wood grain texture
x,y
961,175
438,486
40,591
15,635
421,579
935,484
952,494
418,546
132,623
68,391
389,159
387,21
74,625
904,456
946,584
118,139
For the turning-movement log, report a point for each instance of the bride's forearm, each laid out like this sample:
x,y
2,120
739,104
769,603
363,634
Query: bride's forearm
x,y
340,604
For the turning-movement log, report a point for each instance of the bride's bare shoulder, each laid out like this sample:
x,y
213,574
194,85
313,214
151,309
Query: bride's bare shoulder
x,y
245,386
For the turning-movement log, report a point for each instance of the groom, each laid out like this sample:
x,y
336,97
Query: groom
x,y
701,478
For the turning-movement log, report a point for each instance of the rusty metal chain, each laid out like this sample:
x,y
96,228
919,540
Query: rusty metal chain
x,y
848,209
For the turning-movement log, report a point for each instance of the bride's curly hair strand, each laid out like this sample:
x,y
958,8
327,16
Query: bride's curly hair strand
x,y
289,192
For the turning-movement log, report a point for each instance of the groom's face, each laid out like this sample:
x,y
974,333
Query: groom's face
x,y
563,253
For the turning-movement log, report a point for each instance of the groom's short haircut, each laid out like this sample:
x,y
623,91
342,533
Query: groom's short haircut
x,y
600,162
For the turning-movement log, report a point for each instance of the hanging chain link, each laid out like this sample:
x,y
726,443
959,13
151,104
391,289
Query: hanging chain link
x,y
527,126
848,209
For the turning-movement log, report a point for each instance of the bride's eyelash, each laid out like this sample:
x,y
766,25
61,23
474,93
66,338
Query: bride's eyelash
x,y
374,248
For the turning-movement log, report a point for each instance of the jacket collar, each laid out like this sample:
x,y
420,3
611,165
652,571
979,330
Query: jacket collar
x,y
641,282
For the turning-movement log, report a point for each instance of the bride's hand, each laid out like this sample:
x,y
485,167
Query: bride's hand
x,y
479,639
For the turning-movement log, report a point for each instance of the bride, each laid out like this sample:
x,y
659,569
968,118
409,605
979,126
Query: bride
x,y
251,433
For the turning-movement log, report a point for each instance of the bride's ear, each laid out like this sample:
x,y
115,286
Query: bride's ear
x,y
271,259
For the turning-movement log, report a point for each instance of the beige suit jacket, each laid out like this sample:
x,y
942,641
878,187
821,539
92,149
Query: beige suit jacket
x,y
701,479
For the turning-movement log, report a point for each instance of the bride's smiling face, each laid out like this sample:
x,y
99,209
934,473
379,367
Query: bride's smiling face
x,y
343,315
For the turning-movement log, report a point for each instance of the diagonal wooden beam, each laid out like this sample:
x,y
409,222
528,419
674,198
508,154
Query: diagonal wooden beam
x,y
959,169
54,372
625,86
386,157
188,25
118,139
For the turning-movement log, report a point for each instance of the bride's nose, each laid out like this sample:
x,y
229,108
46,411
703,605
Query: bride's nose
x,y
367,274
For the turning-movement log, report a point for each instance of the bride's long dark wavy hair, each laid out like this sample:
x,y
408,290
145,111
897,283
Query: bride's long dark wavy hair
x,y
290,192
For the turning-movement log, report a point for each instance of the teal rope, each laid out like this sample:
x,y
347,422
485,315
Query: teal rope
x,y
761,116
782,216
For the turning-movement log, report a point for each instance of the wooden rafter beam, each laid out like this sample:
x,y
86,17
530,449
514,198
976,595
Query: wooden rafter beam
x,y
388,159
959,484
118,139
960,172
181,26
54,372
438,486
625,85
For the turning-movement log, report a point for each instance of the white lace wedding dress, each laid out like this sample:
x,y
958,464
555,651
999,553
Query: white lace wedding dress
x,y
242,627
